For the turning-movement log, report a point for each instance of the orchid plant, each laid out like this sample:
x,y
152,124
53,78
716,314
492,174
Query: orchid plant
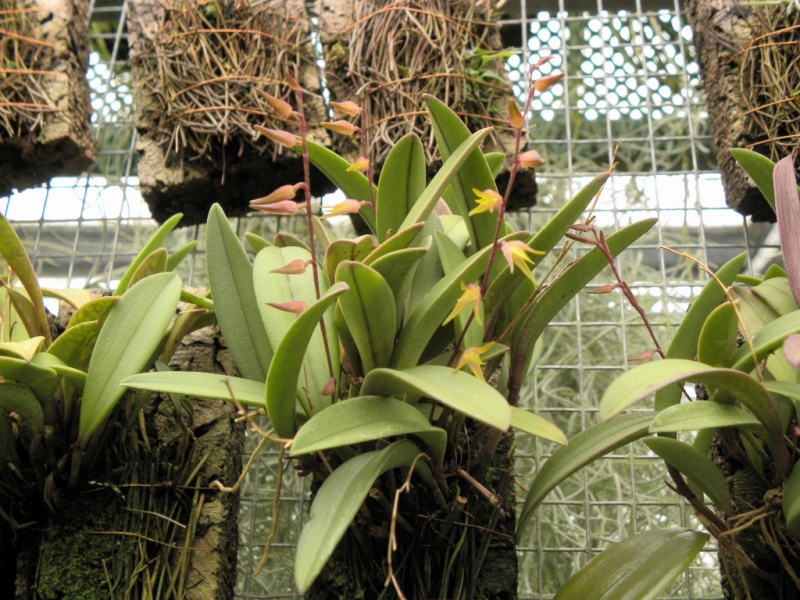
x,y
403,349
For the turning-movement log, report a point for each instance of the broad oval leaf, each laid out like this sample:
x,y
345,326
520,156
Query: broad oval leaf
x,y
696,416
768,339
460,391
717,343
760,169
284,239
154,242
130,335
638,383
72,296
257,243
284,372
584,448
40,379
395,267
697,467
74,376
344,249
200,385
399,241
25,349
230,276
337,503
155,262
401,183
638,568
364,419
532,423
94,310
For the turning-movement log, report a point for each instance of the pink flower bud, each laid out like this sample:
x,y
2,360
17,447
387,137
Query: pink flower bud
x,y
295,267
341,126
531,159
347,107
287,208
329,388
344,208
285,192
283,108
545,83
293,306
291,82
284,138
514,116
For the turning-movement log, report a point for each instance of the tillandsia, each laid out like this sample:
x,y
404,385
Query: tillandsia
x,y
403,349
56,395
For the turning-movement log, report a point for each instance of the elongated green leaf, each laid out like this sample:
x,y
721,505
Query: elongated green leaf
x,y
790,501
155,262
697,467
696,416
13,252
130,335
428,271
395,267
72,296
154,242
19,399
442,179
352,183
257,243
324,235
94,310
344,249
76,344
41,380
177,257
495,161
581,450
190,298
74,376
571,281
777,293
401,183
460,391
717,343
529,422
638,383
369,311
768,339
364,419
288,361
399,241
26,312
283,239
638,568
24,349
774,271
200,385
451,133
230,276
684,342
760,169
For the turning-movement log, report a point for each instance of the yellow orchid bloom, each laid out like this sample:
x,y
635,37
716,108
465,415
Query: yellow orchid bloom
x,y
470,297
516,254
471,357
360,164
488,201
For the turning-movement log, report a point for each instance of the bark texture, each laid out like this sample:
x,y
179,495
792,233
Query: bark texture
x,y
61,142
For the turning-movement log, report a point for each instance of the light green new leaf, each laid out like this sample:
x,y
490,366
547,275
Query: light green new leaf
x,y
456,389
402,181
76,344
75,376
760,169
283,239
324,235
72,296
131,333
638,383
369,311
395,267
450,134
697,467
769,339
230,276
154,242
190,298
791,500
684,342
94,310
354,184
532,423
200,385
41,380
176,257
337,503
495,161
696,416
24,349
284,372
584,448
19,399
13,252
344,249
155,262
399,241
638,568
428,271
257,243
25,311
364,419
717,343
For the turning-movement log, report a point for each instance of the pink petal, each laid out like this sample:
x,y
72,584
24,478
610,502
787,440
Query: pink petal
x,y
787,207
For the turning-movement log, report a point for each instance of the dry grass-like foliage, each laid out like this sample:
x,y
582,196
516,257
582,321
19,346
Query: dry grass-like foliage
x,y
770,77
23,98
400,50
205,66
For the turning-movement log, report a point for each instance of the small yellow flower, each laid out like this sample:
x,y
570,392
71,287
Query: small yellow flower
x,y
488,201
344,208
471,357
516,254
341,126
470,298
360,164
347,107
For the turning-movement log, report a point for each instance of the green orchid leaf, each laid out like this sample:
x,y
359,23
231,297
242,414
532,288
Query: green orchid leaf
x,y
452,258
638,383
19,399
450,134
24,350
769,339
774,271
230,276
438,302
777,294
187,321
256,242
790,501
456,229
638,568
200,385
13,252
288,363
717,343
696,416
395,267
401,183
72,296
190,298
425,203
760,169
532,423
364,419
354,184
283,239
177,257
584,448
571,281
42,381
26,312
337,503
75,346
428,271
155,262
697,467
460,391
323,233
348,343
495,161
75,376
94,310
152,244
344,249
369,311
684,342
399,241
129,337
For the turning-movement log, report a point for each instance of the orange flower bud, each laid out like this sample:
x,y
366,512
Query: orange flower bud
x,y
341,126
287,208
530,159
291,82
646,355
284,138
295,267
329,388
514,116
347,107
293,306
545,83
344,208
283,108
285,192
604,289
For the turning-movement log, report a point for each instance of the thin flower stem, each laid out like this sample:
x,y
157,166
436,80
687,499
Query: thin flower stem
x,y
365,152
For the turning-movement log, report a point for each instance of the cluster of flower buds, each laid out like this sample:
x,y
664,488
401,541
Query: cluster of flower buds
x,y
281,201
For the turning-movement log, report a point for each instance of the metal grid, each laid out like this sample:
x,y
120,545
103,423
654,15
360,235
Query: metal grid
x,y
631,77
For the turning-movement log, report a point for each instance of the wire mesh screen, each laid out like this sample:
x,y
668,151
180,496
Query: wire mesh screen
x,y
631,79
